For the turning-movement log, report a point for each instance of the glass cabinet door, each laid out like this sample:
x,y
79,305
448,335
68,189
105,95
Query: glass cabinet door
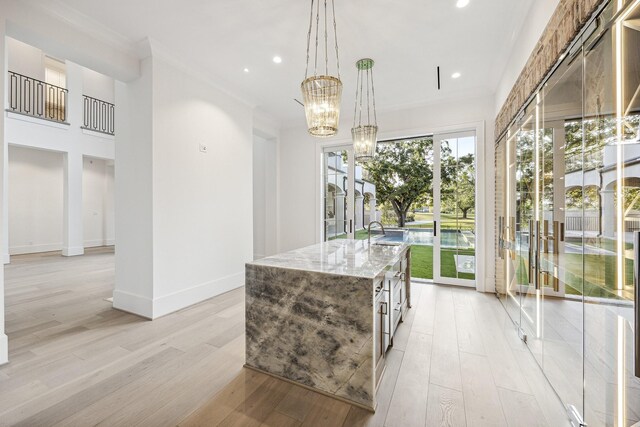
x,y
561,229
612,187
572,223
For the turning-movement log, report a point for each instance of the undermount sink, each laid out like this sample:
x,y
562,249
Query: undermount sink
x,y
386,244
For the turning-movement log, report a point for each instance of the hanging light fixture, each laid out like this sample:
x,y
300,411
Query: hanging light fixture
x,y
322,93
365,136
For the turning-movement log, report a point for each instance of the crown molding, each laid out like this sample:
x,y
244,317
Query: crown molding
x,y
85,24
155,49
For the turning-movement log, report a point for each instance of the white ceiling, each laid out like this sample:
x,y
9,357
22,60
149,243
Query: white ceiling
x,y
406,38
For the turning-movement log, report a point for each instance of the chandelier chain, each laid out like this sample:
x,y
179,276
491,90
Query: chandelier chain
x,y
306,70
368,102
315,67
355,107
361,96
326,41
373,95
335,37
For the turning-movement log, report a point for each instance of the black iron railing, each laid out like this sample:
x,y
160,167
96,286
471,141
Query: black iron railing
x,y
99,115
36,98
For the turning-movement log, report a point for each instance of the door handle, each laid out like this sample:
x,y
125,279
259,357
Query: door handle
x,y
383,308
531,257
435,228
636,276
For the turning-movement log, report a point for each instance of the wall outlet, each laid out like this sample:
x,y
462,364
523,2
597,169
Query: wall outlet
x,y
203,148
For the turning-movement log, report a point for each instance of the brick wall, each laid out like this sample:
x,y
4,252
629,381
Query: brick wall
x,y
566,22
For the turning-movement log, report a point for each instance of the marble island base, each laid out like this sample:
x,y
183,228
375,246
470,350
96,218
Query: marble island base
x,y
314,328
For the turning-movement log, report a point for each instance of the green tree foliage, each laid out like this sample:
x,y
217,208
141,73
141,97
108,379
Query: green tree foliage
x,y
458,191
402,172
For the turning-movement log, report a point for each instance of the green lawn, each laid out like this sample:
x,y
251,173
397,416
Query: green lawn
x,y
597,280
422,259
422,262
448,221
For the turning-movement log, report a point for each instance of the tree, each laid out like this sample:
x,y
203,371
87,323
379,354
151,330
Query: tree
x,y
458,190
402,172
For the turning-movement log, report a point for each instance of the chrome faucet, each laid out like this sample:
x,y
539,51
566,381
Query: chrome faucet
x,y
369,229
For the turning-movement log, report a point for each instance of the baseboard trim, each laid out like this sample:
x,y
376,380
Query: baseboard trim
x,y
98,243
4,349
52,247
178,300
34,249
134,304
73,251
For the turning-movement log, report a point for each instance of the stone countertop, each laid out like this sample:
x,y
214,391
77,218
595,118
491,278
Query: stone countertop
x,y
344,257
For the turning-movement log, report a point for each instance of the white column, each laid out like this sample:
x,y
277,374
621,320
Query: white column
x,y
73,233
373,213
133,195
72,216
5,204
607,221
4,346
359,213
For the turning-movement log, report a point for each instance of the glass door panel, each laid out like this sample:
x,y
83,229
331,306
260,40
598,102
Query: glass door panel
x,y
612,188
526,182
511,299
455,202
401,182
560,251
337,203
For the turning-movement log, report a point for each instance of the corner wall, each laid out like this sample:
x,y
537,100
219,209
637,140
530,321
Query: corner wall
x,y
183,189
202,202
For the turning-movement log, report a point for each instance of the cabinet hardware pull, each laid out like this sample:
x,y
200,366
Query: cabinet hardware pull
x,y
636,276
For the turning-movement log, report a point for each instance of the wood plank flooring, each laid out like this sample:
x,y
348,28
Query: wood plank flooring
x,y
74,361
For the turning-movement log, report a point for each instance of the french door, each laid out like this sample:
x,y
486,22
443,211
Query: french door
x,y
441,226
454,202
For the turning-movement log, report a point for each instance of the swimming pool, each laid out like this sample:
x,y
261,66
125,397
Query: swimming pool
x,y
461,239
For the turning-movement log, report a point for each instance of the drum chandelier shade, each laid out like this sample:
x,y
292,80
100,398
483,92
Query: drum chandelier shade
x,y
322,93
364,135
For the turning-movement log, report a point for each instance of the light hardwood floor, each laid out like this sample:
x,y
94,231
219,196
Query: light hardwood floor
x,y
74,361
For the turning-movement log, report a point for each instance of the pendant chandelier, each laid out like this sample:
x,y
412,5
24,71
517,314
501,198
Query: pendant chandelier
x,y
364,135
322,93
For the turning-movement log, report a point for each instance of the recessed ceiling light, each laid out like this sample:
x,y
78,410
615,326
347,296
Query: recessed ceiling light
x,y
277,59
455,75
246,70
462,3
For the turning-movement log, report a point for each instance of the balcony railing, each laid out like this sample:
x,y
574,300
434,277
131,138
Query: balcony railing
x,y
36,98
99,115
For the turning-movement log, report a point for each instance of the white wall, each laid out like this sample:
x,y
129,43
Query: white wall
x,y
98,203
265,158
98,85
300,168
35,200
534,24
133,194
4,345
184,217
25,59
202,204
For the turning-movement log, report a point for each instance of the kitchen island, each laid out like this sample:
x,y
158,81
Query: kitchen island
x,y
323,316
